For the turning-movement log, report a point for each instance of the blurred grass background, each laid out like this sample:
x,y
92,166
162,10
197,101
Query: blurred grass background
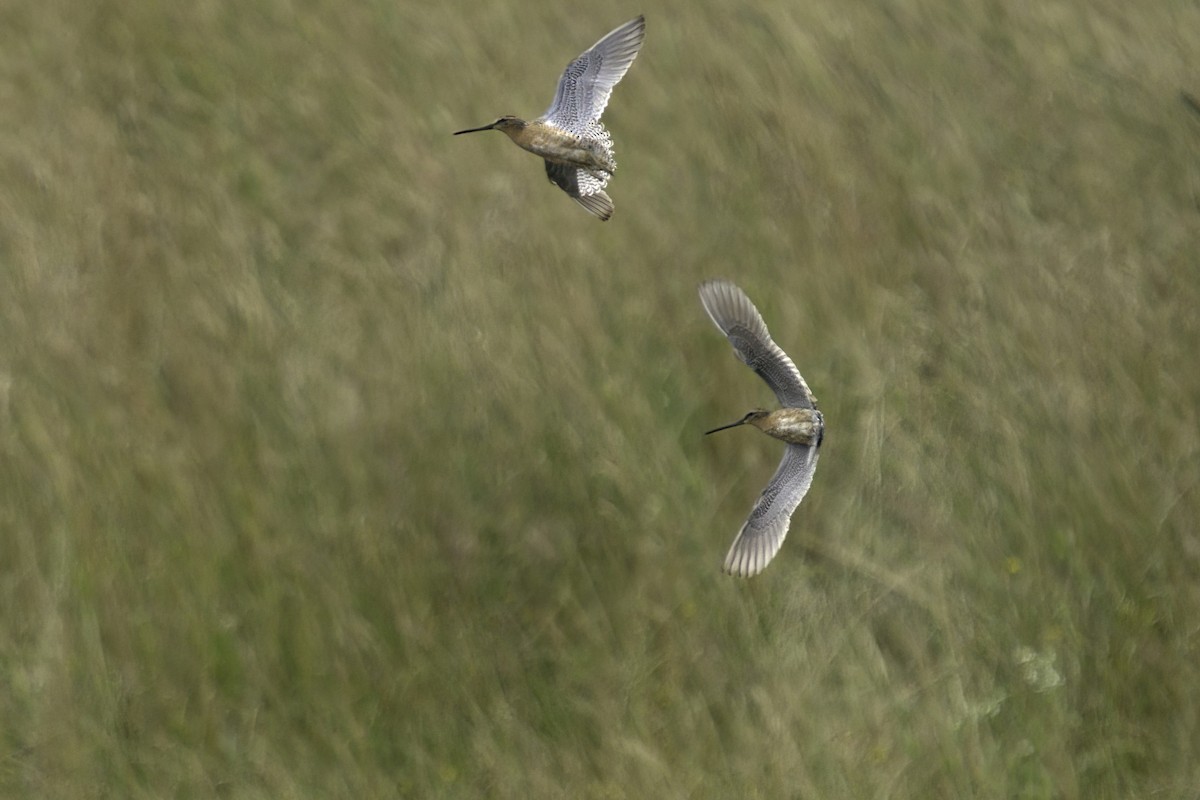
x,y
343,458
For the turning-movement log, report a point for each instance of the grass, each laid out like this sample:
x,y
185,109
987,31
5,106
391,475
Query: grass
x,y
343,458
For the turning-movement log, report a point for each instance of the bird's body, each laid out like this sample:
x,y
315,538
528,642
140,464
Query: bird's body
x,y
792,425
798,423
577,149
559,146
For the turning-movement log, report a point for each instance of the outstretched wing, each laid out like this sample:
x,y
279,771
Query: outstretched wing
x,y
588,81
731,310
584,188
763,532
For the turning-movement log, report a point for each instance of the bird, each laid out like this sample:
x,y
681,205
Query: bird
x,y
578,150
798,423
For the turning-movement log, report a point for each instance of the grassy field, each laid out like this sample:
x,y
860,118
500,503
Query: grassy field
x,y
341,457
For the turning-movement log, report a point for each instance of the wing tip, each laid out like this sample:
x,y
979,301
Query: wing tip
x,y
745,560
597,203
757,545
624,42
715,286
727,305
637,23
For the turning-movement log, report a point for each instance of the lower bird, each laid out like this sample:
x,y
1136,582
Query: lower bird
x,y
798,423
578,150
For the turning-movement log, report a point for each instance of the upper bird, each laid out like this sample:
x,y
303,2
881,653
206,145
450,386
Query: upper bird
x,y
798,423
577,148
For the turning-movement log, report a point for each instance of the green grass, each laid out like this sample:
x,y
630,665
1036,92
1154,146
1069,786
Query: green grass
x,y
340,457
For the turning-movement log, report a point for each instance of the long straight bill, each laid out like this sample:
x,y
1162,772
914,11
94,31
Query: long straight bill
x,y
726,427
473,130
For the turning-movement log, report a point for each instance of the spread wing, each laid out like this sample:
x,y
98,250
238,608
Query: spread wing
x,y
763,532
731,310
588,81
584,188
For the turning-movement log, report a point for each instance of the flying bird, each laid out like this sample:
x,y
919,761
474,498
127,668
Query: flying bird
x,y
798,423
578,150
